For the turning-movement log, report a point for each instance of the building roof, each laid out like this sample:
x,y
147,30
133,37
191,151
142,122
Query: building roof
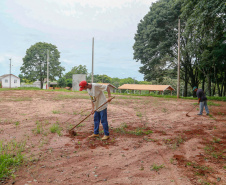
x,y
3,76
143,87
53,83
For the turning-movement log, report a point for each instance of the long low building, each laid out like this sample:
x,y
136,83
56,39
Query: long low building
x,y
143,87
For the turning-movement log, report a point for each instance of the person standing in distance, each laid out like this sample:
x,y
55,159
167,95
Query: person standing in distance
x,y
96,93
202,100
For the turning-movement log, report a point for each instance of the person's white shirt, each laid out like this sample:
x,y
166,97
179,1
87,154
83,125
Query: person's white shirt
x,y
97,96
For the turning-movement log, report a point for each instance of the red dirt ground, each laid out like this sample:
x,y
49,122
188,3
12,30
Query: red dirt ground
x,y
152,141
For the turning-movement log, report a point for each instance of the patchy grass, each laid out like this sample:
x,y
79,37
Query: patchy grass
x,y
220,113
155,167
138,131
39,128
174,143
20,88
21,99
55,128
128,97
69,96
210,103
17,123
10,158
164,110
56,112
216,140
211,150
139,114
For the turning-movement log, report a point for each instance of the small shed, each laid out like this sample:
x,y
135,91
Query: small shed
x,y
143,87
9,81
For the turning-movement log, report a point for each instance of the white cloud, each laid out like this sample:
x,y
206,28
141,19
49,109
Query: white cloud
x,y
71,25
100,3
98,17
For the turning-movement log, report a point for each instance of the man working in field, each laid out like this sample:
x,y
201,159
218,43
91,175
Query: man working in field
x,y
202,100
96,92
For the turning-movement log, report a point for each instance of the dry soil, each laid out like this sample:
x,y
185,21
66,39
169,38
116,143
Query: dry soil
x,y
152,141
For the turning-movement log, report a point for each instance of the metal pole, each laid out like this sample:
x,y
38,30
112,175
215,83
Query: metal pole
x,y
47,69
92,58
10,73
178,67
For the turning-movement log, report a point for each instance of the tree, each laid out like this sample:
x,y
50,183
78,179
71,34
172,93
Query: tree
x,y
202,45
35,62
156,39
21,77
205,20
62,82
69,82
76,70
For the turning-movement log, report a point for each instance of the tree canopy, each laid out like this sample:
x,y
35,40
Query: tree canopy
x,y
203,25
81,69
35,62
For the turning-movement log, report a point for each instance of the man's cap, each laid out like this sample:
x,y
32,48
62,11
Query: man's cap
x,y
82,85
194,88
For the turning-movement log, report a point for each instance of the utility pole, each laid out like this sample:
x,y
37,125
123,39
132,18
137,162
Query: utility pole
x,y
134,83
92,58
10,73
47,69
178,65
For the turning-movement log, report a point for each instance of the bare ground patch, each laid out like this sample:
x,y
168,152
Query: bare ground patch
x,y
151,140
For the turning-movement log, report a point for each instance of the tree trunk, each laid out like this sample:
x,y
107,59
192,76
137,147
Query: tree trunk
x,y
186,83
224,90
42,84
209,84
223,86
219,90
203,84
214,89
224,82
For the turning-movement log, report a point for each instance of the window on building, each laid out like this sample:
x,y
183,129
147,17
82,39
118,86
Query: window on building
x,y
6,80
15,81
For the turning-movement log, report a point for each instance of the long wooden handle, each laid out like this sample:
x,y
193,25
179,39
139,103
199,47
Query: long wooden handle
x,y
191,109
73,116
91,113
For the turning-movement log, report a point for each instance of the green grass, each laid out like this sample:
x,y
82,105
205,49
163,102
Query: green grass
x,y
55,128
175,142
138,131
56,112
20,88
220,113
122,95
39,129
210,103
11,158
74,96
211,150
21,99
216,140
172,97
155,167
17,123
139,114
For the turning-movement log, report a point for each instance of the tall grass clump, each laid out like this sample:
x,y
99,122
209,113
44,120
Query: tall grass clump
x,y
55,128
11,158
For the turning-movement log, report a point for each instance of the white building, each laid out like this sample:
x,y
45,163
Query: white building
x,y
5,81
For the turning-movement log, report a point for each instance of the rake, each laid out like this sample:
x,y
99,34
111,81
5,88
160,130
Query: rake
x,y
191,110
72,132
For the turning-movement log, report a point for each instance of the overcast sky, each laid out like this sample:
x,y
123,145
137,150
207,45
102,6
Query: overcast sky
x,y
70,25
